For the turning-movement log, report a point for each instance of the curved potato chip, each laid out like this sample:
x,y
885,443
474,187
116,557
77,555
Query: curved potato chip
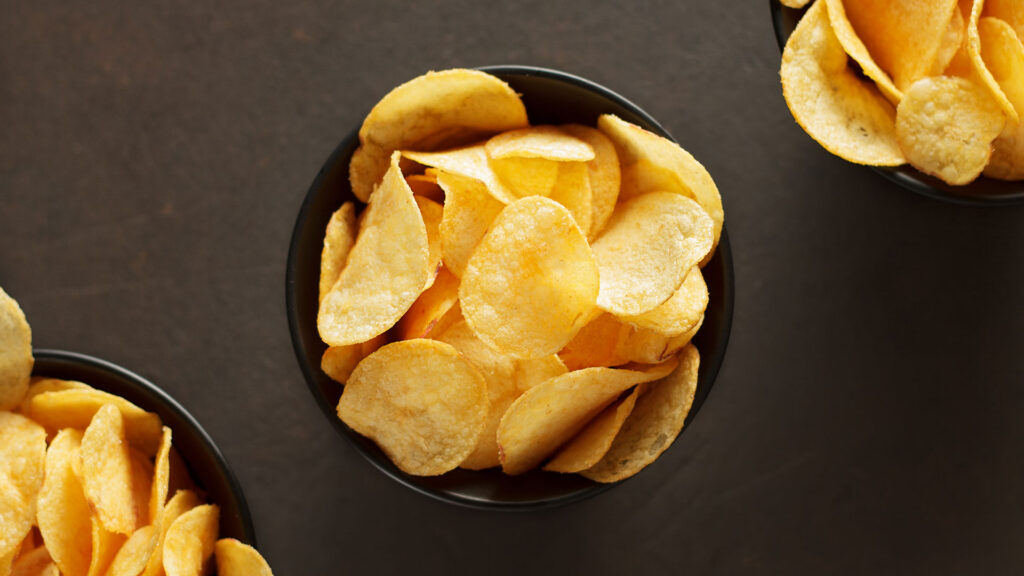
x,y
107,471
386,269
63,511
469,210
338,362
1007,161
41,385
848,116
33,563
794,3
22,468
433,310
590,445
522,177
604,175
1003,53
237,559
15,354
468,162
531,372
161,477
651,163
425,185
420,401
1009,11
438,107
548,415
190,540
645,252
539,142
105,545
681,311
952,41
535,246
572,190
855,48
181,502
76,407
142,486
431,212
946,126
608,341
653,425
974,51
338,240
133,556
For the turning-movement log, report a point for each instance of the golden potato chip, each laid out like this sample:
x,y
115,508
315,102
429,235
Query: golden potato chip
x,y
431,312
608,341
33,563
133,556
189,542
63,512
572,190
946,126
535,247
974,51
41,385
338,362
539,142
105,545
653,425
431,212
531,372
181,502
902,35
794,3
22,467
469,210
338,240
1007,161
420,401
855,48
237,559
425,185
848,116
161,476
546,416
645,252
15,354
651,163
386,269
180,478
681,311
952,41
1003,53
604,175
142,485
468,162
107,471
1009,11
436,108
586,448
76,407
522,177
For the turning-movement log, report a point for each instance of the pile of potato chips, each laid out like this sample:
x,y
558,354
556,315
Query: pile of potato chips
x,y
515,295
937,84
85,478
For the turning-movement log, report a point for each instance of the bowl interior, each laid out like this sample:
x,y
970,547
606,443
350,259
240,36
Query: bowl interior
x,y
550,97
205,462
982,192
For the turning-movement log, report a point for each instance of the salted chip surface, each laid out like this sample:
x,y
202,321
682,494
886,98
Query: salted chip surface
x,y
522,177
75,407
469,162
1003,53
425,185
136,551
981,63
107,471
532,281
190,541
543,141
338,240
38,386
653,425
590,445
604,175
420,401
1009,11
847,115
946,126
386,269
646,250
22,467
338,362
681,312
572,190
432,110
235,558
651,163
63,513
16,359
469,210
105,545
856,49
431,212
181,502
433,310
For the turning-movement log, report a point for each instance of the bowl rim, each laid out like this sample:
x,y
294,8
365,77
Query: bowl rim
x,y
70,358
907,176
723,253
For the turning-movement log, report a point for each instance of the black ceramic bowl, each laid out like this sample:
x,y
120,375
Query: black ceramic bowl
x,y
205,462
982,192
550,97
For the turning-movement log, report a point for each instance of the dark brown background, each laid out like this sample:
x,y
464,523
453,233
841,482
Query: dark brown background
x,y
153,157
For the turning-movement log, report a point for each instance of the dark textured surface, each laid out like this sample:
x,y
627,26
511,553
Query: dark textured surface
x,y
153,158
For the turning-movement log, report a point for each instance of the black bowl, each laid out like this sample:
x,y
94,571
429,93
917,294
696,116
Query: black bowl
x,y
206,464
982,192
550,97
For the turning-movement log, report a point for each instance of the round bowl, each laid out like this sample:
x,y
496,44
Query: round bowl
x,y
982,192
551,97
206,464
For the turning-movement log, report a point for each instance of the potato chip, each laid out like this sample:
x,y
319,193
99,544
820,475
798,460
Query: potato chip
x,y
855,48
469,210
603,173
651,163
338,240
41,385
1009,11
794,3
1003,53
983,74
142,486
572,190
76,407
181,502
848,116
534,246
646,250
107,471
161,476
425,185
33,563
386,269
338,362
531,372
436,108
22,467
420,401
237,559
133,556
653,425
548,415
180,478
586,448
190,540
522,177
63,512
15,353
946,126
609,341
105,545
431,212
468,162
681,311
952,41
432,311
539,142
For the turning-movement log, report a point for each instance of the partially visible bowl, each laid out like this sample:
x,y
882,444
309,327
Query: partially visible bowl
x,y
982,192
551,97
205,462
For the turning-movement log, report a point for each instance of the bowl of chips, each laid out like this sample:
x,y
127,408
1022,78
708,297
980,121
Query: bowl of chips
x,y
504,327
928,94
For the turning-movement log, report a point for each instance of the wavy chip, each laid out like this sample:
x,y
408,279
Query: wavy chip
x,y
15,353
235,558
338,241
75,407
63,511
1003,53
190,540
604,175
107,472
469,210
588,447
22,468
